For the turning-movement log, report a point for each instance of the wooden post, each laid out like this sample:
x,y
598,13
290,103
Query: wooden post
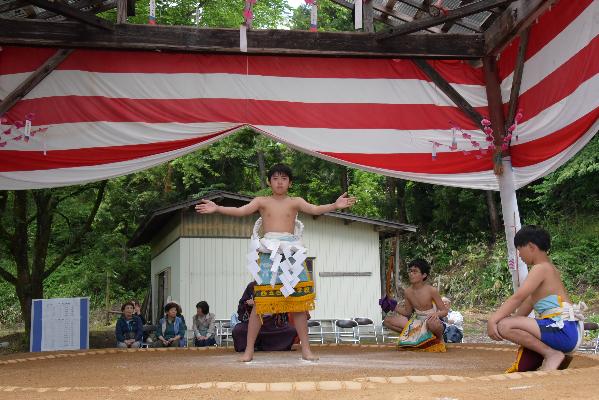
x,y
368,16
121,11
495,110
517,80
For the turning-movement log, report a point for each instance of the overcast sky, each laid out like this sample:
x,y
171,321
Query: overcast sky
x,y
295,3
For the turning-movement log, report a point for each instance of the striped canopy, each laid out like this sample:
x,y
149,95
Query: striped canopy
x,y
110,113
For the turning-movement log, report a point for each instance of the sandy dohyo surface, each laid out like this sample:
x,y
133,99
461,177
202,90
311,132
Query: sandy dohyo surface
x,y
466,371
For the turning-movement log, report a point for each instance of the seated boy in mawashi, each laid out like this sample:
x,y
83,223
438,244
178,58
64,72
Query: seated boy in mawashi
x,y
279,213
559,327
424,330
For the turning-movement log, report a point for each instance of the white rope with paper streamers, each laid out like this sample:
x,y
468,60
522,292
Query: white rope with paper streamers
x,y
287,272
152,17
358,14
20,131
248,17
313,15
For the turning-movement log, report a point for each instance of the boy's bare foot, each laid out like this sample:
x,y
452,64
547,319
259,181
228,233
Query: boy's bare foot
x,y
308,356
247,356
553,361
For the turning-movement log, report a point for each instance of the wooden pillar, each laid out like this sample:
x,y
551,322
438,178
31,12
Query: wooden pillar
x,y
505,175
517,80
368,16
495,105
121,11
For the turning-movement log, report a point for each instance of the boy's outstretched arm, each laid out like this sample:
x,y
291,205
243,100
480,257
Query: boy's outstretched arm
x,y
343,201
533,280
209,207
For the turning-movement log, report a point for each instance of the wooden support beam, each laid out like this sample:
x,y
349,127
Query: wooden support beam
x,y
385,13
446,88
32,80
278,42
72,12
451,15
447,26
517,78
517,17
86,6
12,5
495,106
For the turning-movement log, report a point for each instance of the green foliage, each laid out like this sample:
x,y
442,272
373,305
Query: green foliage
x,y
213,13
574,187
10,312
331,17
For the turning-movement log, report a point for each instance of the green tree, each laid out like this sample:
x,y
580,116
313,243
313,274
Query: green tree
x,y
39,229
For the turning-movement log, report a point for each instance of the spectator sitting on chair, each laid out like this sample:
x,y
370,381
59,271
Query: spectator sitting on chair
x,y
454,324
146,328
203,326
170,330
276,334
129,329
137,311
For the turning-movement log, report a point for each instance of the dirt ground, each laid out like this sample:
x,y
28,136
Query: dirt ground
x,y
466,371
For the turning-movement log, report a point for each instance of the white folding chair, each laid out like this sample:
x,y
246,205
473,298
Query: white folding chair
x,y
225,333
366,329
329,330
388,334
315,331
346,331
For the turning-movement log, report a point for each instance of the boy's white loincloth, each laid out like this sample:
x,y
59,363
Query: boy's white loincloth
x,y
278,244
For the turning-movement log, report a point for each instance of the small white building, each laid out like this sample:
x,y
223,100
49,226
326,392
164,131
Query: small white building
x,y
203,257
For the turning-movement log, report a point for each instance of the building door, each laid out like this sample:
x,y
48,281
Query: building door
x,y
164,291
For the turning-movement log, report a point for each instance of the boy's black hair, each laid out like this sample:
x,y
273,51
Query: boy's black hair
x,y
535,235
129,303
282,169
204,306
422,265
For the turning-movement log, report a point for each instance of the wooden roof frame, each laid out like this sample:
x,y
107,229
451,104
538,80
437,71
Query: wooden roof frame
x,y
402,41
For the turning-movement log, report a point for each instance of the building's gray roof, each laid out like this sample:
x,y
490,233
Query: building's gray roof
x,y
152,224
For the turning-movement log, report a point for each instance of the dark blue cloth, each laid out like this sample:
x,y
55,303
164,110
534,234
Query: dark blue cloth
x,y
452,334
129,329
562,339
205,342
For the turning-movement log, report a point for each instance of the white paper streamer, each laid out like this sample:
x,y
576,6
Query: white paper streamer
x,y
358,14
243,39
286,272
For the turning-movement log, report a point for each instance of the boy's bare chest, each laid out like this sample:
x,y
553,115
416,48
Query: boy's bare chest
x,y
421,299
278,211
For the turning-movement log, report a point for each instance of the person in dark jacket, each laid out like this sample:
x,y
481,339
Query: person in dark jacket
x,y
129,328
276,333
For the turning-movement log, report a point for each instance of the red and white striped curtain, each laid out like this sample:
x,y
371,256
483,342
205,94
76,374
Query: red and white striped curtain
x,y
110,113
